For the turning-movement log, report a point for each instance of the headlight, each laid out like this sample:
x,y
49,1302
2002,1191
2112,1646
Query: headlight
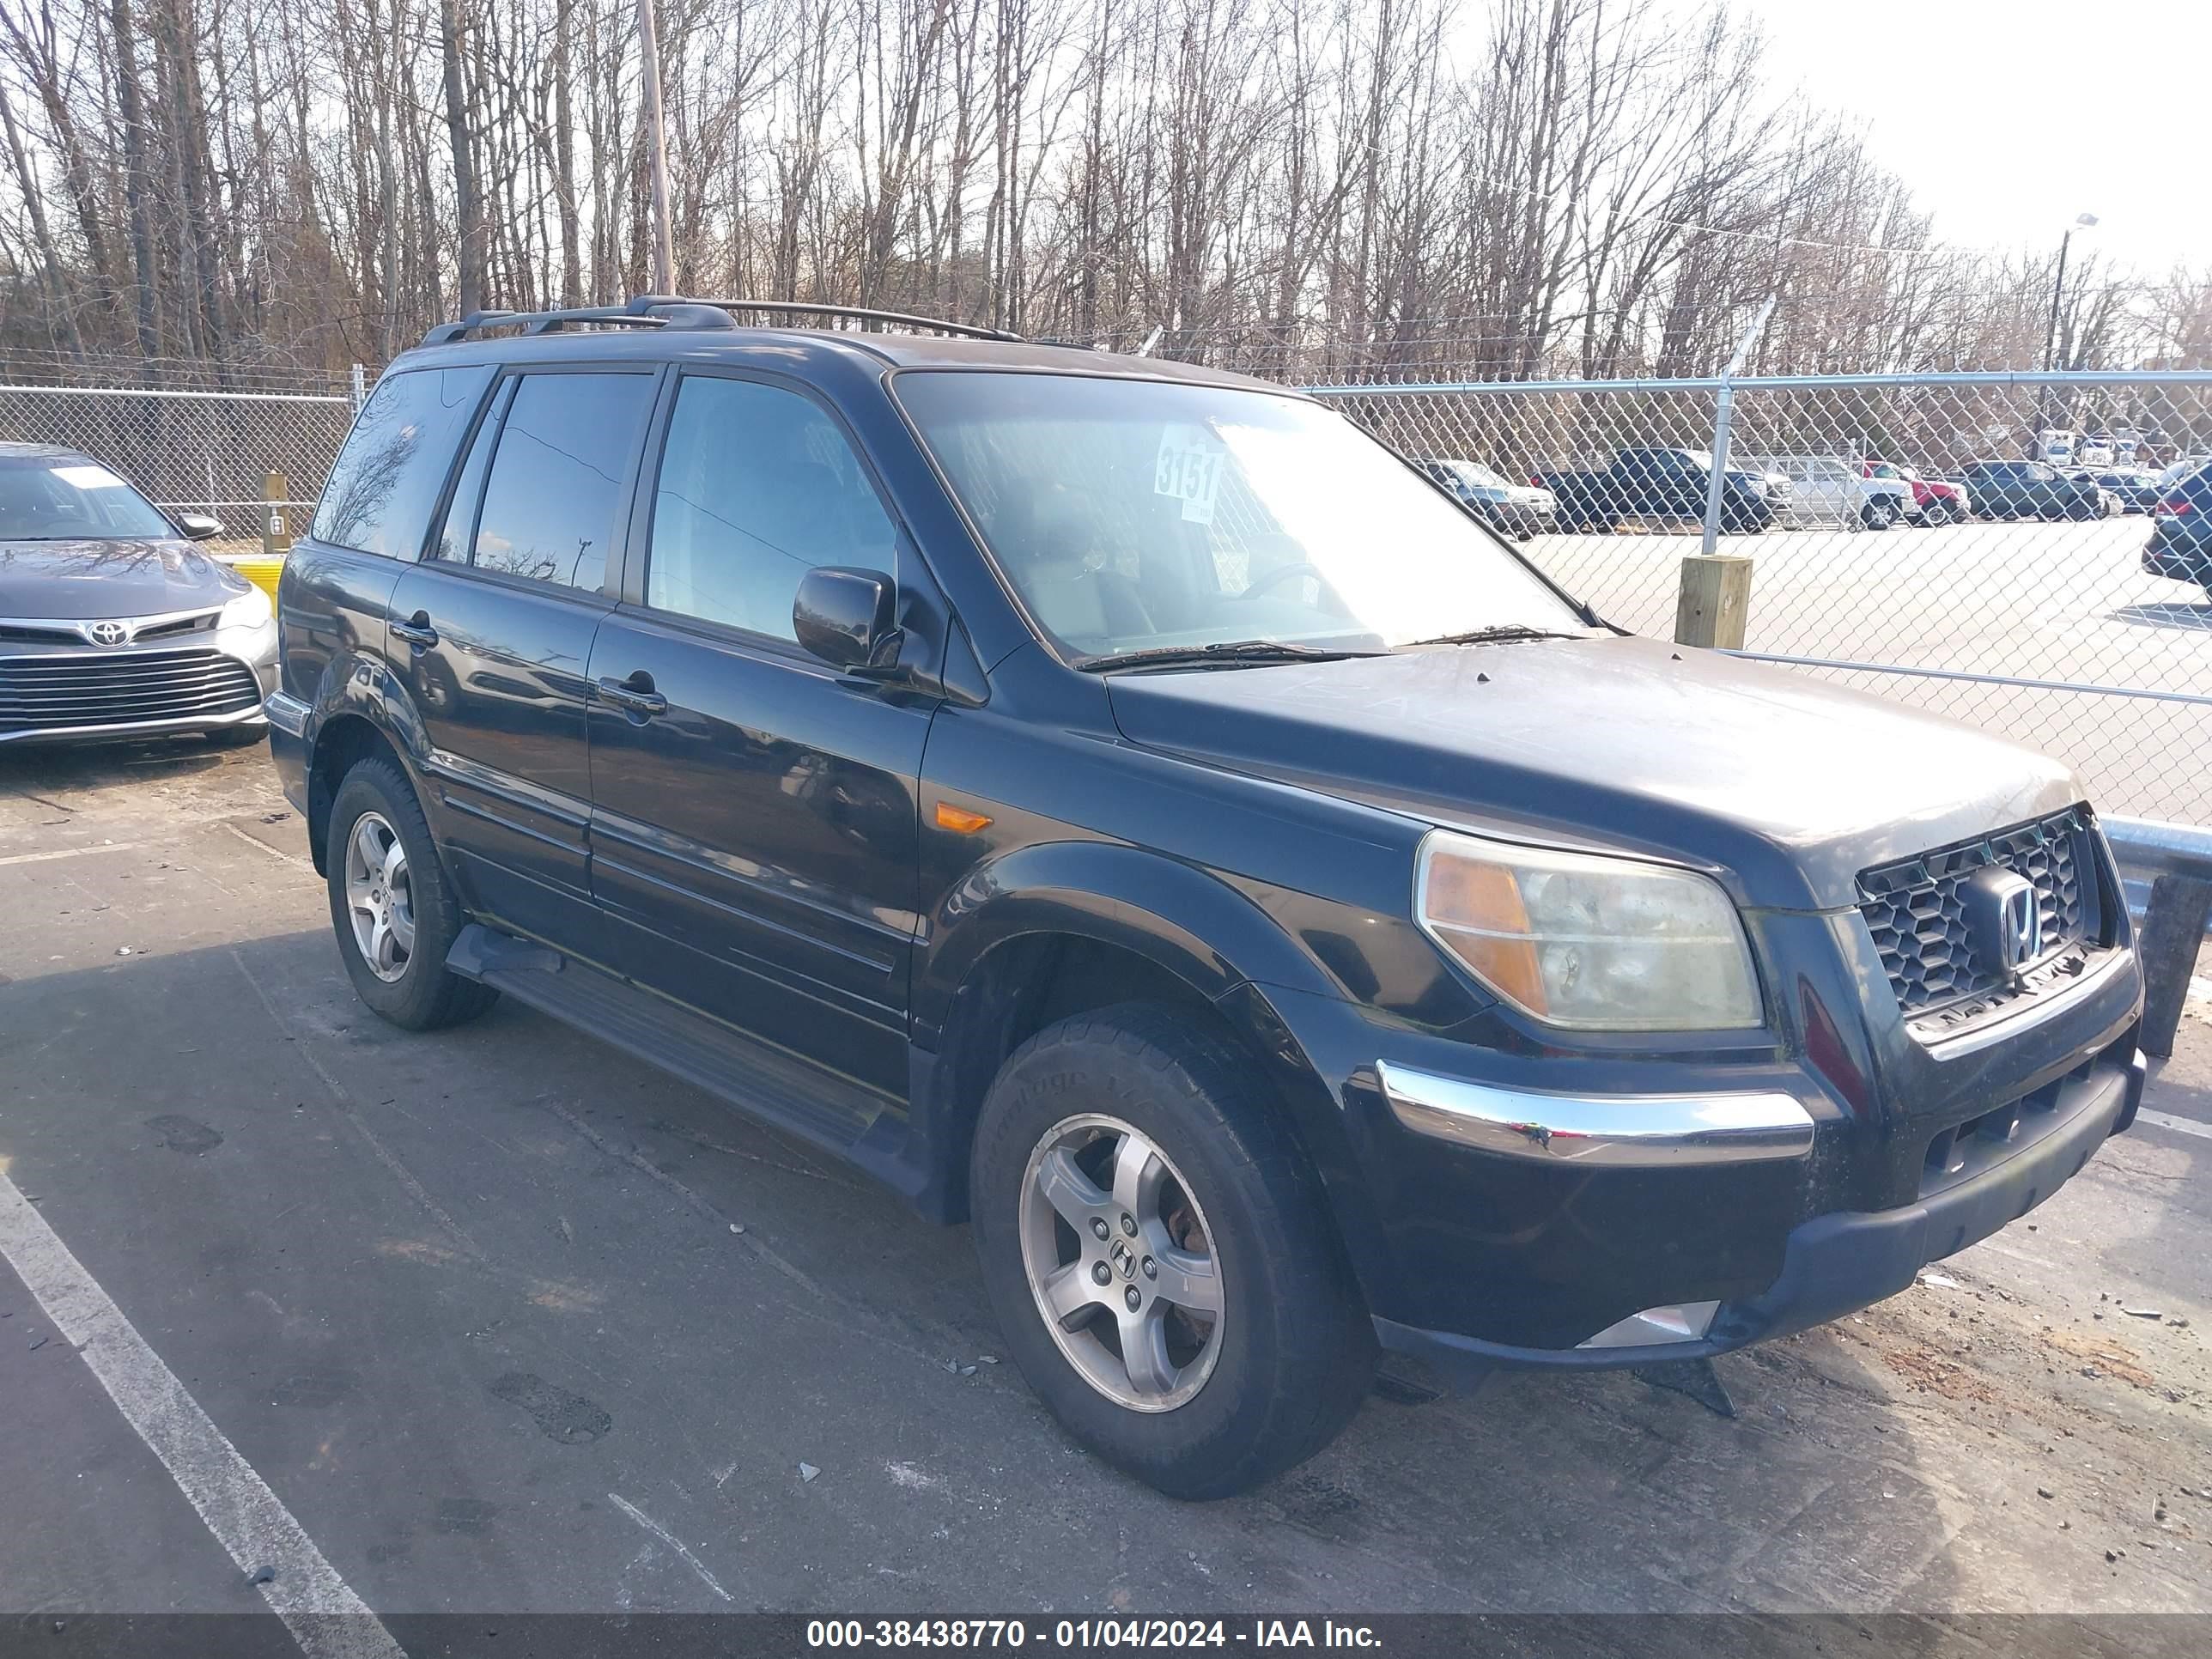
x,y
249,609
1599,943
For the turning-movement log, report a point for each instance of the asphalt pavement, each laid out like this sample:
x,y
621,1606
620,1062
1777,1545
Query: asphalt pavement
x,y
500,1320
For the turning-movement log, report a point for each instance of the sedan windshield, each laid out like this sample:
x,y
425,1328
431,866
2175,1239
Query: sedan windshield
x,y
66,498
1134,515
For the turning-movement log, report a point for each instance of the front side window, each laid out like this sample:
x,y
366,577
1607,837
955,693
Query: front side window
x,y
1132,515
68,498
556,476
757,487
379,496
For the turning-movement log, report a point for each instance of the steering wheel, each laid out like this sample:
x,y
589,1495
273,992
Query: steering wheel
x,y
1283,573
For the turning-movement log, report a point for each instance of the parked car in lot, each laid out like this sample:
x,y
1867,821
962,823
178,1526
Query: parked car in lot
x,y
1521,511
113,624
1828,489
1935,500
2134,489
1661,486
1117,803
2181,531
2031,489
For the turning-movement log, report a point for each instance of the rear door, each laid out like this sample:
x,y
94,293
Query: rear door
x,y
754,829
493,633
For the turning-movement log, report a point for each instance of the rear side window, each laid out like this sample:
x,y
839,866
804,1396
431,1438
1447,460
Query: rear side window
x,y
556,476
379,496
757,487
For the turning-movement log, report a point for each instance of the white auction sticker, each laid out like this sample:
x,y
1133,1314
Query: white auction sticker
x,y
1188,469
87,477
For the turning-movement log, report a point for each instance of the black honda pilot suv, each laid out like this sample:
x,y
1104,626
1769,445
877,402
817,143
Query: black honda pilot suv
x,y
1124,806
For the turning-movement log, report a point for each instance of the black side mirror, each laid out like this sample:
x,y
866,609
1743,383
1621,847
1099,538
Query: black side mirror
x,y
845,617
199,526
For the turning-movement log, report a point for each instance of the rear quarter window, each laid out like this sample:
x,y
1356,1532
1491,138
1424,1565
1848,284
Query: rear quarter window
x,y
379,496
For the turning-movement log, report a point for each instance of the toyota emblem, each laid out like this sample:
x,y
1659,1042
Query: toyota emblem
x,y
107,633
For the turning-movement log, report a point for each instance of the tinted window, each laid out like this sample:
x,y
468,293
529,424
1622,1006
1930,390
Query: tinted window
x,y
556,476
452,542
379,496
61,497
757,487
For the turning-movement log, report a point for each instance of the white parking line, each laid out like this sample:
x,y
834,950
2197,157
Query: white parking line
x,y
326,1618
72,852
2181,1126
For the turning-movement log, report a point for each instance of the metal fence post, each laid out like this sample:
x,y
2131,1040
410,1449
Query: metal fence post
x,y
1723,423
360,387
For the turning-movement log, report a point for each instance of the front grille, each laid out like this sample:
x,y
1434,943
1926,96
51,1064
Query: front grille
x,y
1915,910
56,693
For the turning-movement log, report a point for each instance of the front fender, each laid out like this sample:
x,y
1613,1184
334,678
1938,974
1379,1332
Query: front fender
x,y
1187,921
1259,978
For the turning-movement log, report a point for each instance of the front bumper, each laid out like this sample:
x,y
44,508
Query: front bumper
x,y
209,679
1836,1264
1554,1213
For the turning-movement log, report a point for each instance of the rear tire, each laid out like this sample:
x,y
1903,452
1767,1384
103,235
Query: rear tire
x,y
1878,515
389,897
1091,1121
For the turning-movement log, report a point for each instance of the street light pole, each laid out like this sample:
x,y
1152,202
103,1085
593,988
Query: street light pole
x,y
2083,221
656,151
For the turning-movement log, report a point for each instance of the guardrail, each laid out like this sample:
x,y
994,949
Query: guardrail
x,y
2167,870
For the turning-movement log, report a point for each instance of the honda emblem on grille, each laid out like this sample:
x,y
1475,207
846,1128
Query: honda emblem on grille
x,y
2006,919
106,633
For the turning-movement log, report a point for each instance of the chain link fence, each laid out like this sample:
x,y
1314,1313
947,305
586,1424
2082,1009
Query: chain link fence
x,y
1971,544
199,451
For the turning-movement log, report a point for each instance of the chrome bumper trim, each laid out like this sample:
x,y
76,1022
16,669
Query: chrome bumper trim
x,y
1608,1131
286,713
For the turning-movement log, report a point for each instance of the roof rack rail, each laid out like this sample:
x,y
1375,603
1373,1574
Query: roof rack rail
x,y
808,308
680,311
666,313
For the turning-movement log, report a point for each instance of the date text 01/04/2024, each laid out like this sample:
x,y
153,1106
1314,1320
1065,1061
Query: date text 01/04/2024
x,y
1087,1635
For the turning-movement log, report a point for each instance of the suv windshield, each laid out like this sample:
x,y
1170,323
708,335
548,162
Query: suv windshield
x,y
1134,515
48,498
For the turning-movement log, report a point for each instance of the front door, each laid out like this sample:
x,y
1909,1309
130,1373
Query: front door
x,y
754,831
492,633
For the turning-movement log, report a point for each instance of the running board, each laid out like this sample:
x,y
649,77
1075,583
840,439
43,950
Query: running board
x,y
831,1112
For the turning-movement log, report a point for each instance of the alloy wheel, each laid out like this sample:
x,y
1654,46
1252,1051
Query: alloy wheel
x,y
1121,1263
379,898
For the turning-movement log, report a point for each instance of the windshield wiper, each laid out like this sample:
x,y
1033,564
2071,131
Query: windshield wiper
x,y
1222,654
1502,634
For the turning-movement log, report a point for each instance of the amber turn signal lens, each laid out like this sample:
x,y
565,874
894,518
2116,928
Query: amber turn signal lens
x,y
959,820
1486,897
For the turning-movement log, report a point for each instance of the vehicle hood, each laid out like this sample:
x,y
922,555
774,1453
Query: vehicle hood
x,y
76,580
1784,785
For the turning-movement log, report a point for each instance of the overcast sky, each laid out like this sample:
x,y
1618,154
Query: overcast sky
x,y
2007,117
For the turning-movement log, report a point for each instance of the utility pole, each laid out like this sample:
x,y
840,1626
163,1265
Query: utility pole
x,y
656,152
2083,221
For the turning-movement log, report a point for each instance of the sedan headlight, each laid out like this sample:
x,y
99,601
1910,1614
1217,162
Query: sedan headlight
x,y
1599,944
249,609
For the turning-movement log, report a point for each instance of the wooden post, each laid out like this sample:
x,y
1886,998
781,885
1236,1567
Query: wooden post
x,y
2167,945
1715,601
276,527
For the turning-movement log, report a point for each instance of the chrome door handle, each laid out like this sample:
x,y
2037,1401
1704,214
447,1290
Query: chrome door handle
x,y
643,700
417,631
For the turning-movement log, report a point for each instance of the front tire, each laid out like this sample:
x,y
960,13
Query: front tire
x,y
394,910
1159,1255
